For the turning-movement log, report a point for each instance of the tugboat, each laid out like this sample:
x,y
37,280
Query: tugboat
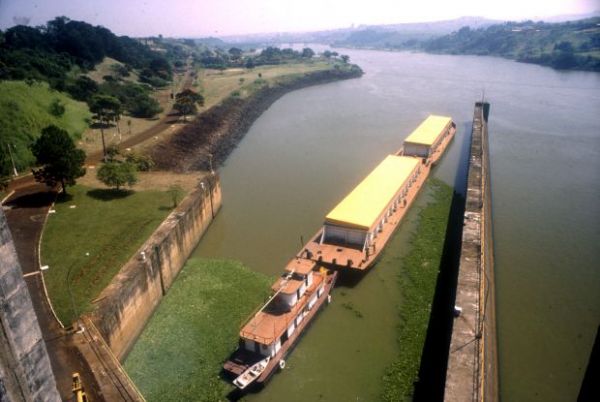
x,y
269,335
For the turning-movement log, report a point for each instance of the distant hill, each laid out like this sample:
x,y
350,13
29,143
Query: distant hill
x,y
571,45
402,35
367,35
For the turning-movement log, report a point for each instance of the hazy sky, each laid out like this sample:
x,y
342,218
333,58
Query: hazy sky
x,y
227,17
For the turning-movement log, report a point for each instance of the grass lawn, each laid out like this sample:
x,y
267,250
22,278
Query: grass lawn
x,y
417,281
217,85
93,240
25,111
179,355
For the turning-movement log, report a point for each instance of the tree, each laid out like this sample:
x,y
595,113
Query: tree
x,y
117,174
106,109
176,192
307,53
83,88
345,58
60,161
235,53
185,102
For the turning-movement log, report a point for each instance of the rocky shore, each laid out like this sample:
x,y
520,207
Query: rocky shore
x,y
218,130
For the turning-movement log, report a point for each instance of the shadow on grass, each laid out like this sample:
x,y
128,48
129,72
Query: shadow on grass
x,y
62,198
165,208
109,194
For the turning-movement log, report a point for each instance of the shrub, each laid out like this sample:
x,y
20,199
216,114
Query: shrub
x,y
117,174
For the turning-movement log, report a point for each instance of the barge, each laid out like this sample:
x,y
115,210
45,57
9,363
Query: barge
x,y
358,228
271,332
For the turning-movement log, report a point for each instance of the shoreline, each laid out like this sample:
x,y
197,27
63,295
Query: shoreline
x,y
218,130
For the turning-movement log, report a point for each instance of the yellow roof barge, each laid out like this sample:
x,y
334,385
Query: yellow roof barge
x,y
358,228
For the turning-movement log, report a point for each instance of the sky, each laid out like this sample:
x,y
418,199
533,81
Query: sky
x,y
196,18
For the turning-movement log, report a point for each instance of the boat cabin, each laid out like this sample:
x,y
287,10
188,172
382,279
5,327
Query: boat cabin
x,y
356,221
425,139
295,294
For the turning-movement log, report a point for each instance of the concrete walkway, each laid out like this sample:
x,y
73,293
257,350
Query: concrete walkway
x,y
25,212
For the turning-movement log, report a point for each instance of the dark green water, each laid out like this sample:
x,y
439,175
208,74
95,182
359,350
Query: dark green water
x,y
313,145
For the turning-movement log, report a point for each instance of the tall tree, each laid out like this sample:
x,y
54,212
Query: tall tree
x,y
60,161
106,109
186,101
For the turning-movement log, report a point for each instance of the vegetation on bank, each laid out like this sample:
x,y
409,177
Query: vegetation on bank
x,y
417,282
90,236
179,355
573,45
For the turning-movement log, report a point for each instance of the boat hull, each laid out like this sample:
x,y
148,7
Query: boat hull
x,y
241,360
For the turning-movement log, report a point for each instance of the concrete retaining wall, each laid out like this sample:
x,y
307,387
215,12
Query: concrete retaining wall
x,y
472,373
123,308
25,370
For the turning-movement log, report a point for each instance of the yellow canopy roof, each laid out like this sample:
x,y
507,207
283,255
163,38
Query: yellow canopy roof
x,y
361,208
429,130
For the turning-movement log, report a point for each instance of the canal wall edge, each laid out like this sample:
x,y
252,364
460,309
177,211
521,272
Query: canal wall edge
x,y
472,372
124,307
25,370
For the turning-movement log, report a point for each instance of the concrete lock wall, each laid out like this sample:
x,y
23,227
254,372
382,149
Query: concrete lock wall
x,y
125,305
472,372
25,370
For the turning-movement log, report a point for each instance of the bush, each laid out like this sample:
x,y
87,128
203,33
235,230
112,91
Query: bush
x,y
143,163
117,174
57,108
145,107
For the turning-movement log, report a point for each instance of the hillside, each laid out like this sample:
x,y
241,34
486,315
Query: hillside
x,y
26,109
573,45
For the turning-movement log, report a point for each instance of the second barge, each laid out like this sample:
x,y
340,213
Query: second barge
x,y
358,228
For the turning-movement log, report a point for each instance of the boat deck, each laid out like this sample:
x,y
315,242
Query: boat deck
x,y
340,256
241,360
268,325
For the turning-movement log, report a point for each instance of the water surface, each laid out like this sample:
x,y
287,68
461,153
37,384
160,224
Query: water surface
x,y
313,145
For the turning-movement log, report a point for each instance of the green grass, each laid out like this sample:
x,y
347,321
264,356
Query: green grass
x,y
179,355
94,240
25,111
417,281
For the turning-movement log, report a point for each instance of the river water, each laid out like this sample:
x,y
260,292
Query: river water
x,y
313,145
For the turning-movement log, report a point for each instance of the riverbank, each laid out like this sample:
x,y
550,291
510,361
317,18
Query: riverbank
x,y
178,357
218,130
417,284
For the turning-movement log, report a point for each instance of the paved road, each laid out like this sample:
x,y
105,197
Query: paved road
x,y
25,212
